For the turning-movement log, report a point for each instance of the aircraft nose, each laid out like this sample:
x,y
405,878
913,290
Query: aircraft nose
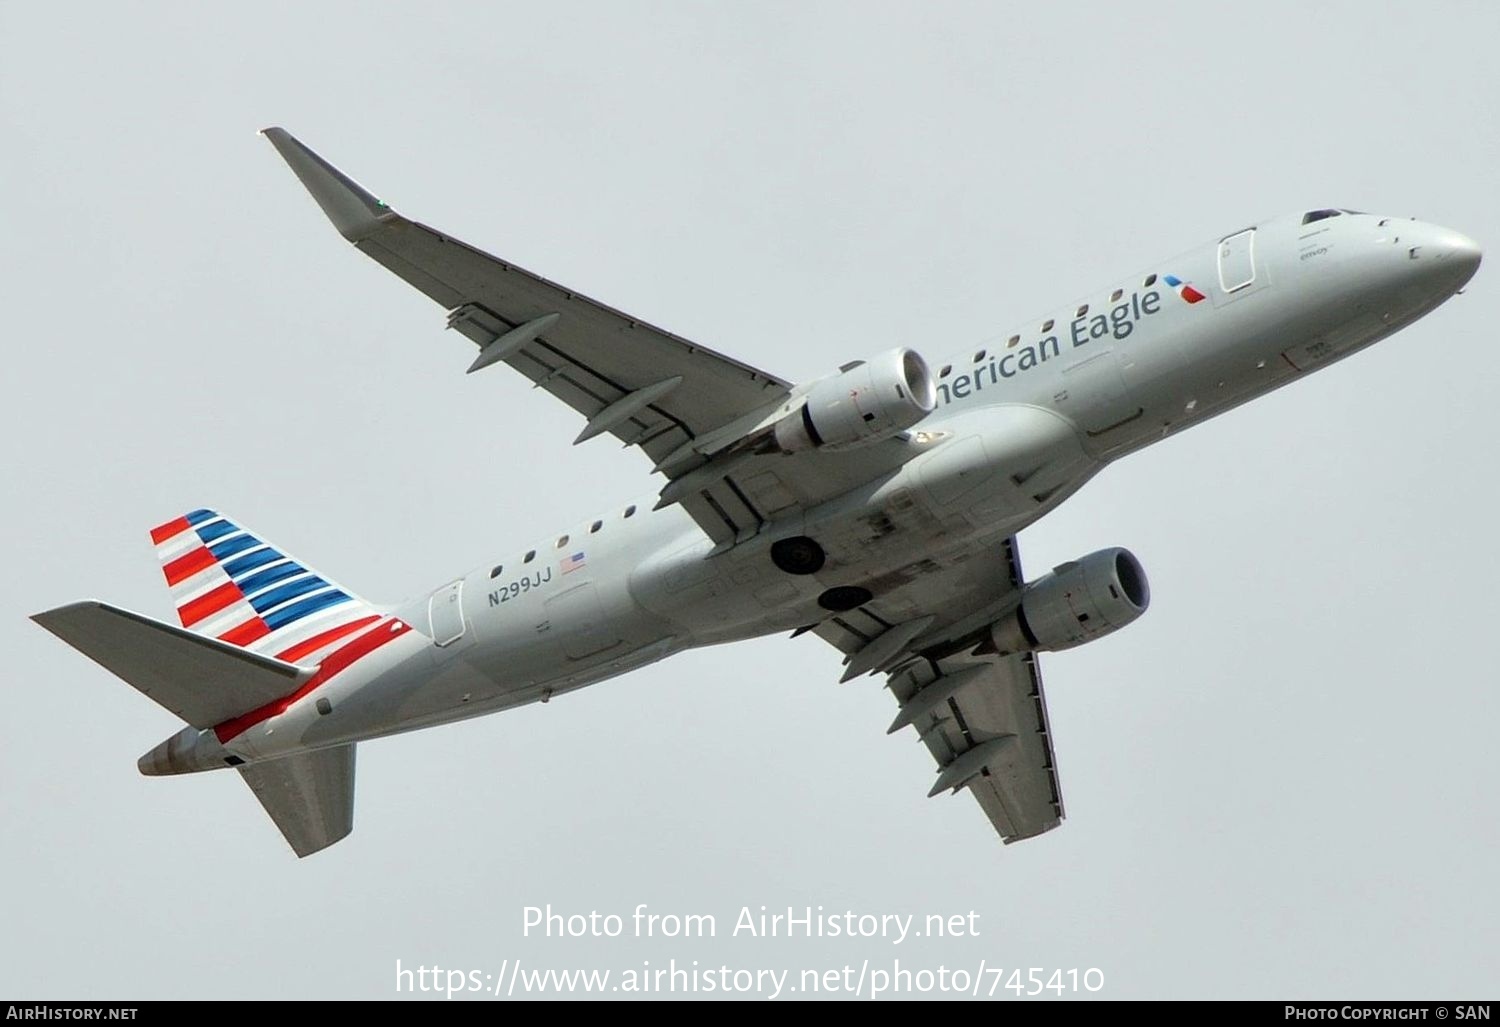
x,y
1456,253
1439,260
1464,252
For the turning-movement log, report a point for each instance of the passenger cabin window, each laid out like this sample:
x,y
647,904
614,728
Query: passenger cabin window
x,y
595,526
946,371
1013,341
498,568
1082,311
1047,325
1149,282
562,541
630,511
1319,215
979,357
1114,297
530,556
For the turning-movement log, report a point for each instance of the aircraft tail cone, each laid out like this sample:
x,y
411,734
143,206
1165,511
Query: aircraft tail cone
x,y
188,751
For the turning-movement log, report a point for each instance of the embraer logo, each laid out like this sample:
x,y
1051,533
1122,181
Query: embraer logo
x,y
1116,323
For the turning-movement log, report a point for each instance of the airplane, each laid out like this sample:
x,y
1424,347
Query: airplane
x,y
876,507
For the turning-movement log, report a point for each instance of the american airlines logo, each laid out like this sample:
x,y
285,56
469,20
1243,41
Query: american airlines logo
x,y
1184,289
1115,322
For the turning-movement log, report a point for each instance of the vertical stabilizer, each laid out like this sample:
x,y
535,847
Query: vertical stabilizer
x,y
228,584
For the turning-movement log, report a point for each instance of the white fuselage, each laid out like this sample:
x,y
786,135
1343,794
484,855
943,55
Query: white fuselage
x,y
1022,422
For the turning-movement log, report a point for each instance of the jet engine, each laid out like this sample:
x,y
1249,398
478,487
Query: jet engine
x,y
1075,603
865,402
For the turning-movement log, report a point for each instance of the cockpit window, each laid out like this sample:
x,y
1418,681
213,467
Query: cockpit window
x,y
1319,215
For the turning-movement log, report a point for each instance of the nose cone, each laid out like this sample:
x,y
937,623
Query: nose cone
x,y
1464,253
1455,253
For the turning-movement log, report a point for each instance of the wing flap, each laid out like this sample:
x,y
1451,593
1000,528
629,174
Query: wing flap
x,y
310,796
983,718
202,680
592,355
1018,788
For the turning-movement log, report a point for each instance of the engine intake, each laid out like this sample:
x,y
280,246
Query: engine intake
x,y
1075,603
865,402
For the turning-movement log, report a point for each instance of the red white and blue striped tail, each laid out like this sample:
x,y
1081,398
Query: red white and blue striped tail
x,y
228,584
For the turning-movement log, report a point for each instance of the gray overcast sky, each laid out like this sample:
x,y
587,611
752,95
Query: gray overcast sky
x,y
1280,782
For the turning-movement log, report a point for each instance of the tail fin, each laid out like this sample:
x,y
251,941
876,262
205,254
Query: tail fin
x,y
228,584
310,795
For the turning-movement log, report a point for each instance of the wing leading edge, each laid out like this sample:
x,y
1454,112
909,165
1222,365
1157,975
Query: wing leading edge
x,y
642,384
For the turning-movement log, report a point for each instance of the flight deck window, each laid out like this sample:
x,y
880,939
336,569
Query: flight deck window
x,y
1318,215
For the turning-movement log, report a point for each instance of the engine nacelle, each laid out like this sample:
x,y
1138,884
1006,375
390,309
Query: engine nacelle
x,y
1075,603
866,402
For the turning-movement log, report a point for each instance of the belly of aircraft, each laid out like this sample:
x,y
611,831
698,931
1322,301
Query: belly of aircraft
x,y
996,470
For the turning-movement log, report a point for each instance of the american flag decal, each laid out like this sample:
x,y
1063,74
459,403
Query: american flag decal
x,y
571,563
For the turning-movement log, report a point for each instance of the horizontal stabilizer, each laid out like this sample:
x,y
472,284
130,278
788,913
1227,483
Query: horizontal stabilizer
x,y
309,795
202,680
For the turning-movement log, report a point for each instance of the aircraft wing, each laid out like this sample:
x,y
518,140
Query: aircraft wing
x,y
983,717
678,401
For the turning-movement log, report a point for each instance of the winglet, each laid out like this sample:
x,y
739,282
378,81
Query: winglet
x,y
354,211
